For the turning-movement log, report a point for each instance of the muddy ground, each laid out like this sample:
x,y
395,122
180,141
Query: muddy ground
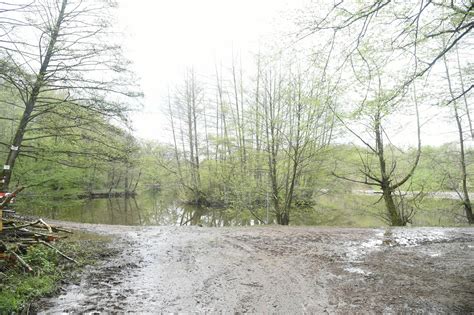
x,y
277,270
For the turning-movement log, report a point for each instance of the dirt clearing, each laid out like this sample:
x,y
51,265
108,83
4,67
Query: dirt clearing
x,y
277,269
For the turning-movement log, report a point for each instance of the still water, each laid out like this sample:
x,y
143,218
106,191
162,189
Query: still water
x,y
155,208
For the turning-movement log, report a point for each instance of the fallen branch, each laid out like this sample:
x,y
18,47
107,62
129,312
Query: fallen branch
x,y
50,230
39,221
18,227
53,228
20,234
44,236
60,229
22,262
58,251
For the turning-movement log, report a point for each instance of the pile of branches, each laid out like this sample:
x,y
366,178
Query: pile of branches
x,y
17,234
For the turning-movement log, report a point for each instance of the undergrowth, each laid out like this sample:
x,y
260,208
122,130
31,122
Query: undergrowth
x,y
18,288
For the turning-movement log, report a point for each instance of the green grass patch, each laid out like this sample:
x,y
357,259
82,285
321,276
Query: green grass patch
x,y
18,288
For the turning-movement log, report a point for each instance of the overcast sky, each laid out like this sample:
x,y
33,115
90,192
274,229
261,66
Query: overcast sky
x,y
162,38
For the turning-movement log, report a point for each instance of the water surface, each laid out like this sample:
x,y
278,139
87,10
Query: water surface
x,y
156,208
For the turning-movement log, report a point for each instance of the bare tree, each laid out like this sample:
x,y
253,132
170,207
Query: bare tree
x,y
464,193
186,112
385,174
297,127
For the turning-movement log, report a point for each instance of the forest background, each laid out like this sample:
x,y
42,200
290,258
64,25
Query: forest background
x,y
308,126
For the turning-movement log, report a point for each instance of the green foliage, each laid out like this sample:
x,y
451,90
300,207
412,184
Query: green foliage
x,y
18,288
66,157
25,290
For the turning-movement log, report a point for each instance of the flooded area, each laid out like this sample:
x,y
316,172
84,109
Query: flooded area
x,y
276,269
161,209
171,257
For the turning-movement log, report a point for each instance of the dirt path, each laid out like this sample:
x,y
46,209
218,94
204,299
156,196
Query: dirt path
x,y
277,269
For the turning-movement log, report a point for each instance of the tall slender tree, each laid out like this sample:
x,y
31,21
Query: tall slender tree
x,y
58,55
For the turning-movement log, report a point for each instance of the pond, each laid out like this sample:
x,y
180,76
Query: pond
x,y
156,208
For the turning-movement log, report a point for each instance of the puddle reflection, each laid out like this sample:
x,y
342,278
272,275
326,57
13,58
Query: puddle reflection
x,y
157,208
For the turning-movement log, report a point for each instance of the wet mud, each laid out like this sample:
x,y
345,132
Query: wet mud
x,y
276,270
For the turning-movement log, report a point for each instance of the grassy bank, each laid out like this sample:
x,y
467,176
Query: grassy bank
x,y
19,289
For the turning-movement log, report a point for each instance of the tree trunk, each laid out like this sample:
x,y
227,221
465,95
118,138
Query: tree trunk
x,y
462,154
461,81
392,211
30,103
175,143
283,218
394,216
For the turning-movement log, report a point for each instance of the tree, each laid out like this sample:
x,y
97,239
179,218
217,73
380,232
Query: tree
x,y
414,27
297,124
385,175
453,101
402,35
56,54
187,109
381,99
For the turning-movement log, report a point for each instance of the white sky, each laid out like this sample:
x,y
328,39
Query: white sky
x,y
163,38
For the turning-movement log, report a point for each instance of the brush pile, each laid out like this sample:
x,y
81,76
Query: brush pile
x,y
17,234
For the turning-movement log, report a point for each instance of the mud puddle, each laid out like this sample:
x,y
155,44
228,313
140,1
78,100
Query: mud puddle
x,y
277,269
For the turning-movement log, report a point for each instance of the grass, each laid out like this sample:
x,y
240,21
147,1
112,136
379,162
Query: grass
x,y
18,289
